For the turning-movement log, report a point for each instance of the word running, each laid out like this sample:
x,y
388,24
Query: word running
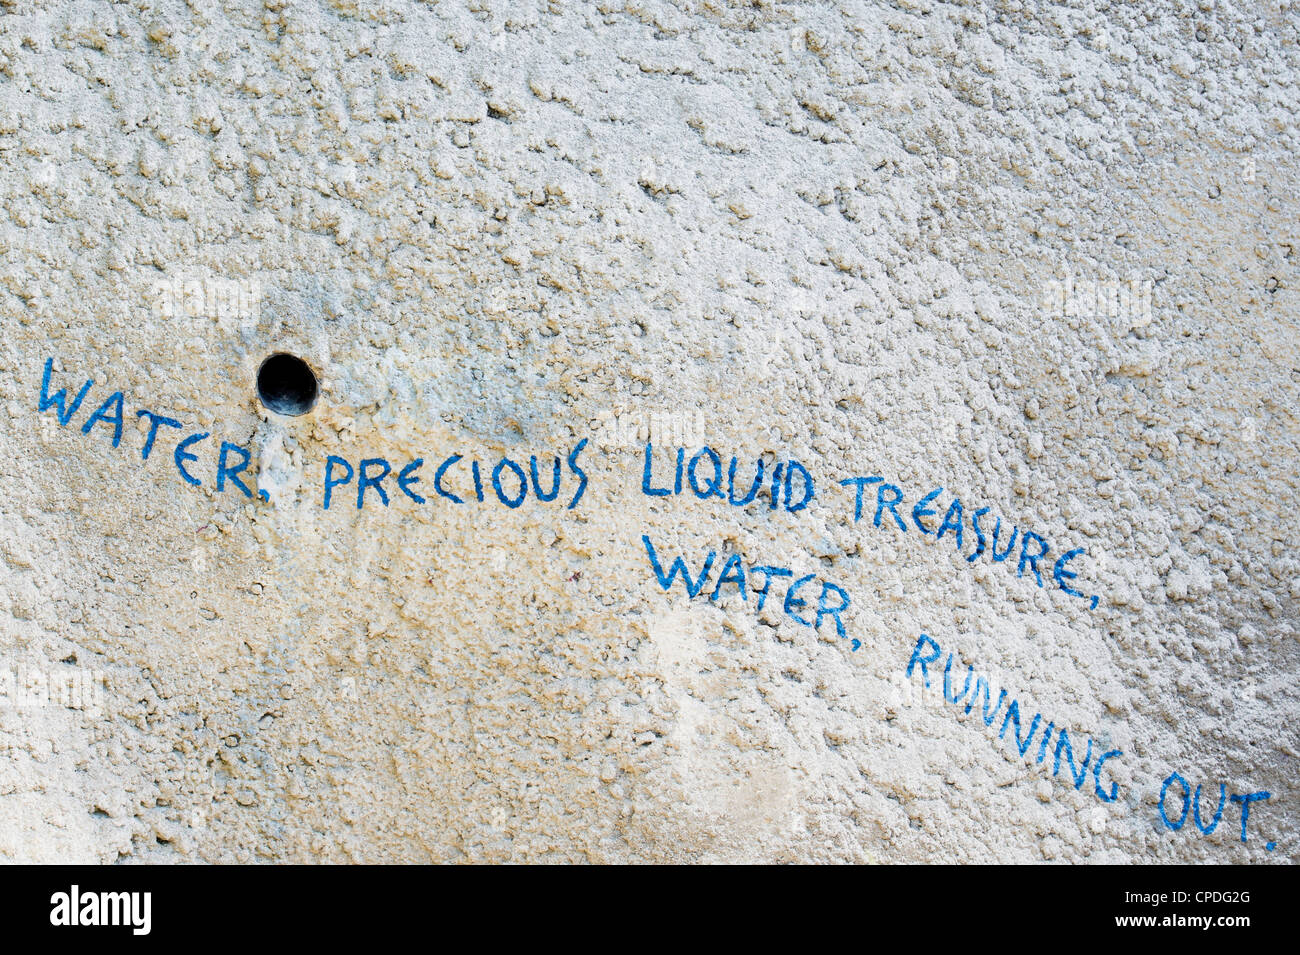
x,y
1033,548
922,657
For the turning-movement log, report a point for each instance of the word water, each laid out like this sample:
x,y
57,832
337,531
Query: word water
x,y
831,600
232,461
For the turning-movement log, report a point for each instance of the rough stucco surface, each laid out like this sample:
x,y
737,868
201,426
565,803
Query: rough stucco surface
x,y
821,232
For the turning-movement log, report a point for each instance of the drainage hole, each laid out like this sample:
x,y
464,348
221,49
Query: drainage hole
x,y
286,385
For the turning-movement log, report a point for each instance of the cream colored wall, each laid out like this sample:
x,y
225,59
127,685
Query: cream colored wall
x,y
1043,263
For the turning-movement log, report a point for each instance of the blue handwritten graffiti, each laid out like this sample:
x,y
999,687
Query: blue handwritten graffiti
x,y
510,483
703,471
376,479
735,574
927,653
1033,547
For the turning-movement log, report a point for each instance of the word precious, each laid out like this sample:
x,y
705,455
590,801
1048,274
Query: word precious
x,y
889,496
706,480
733,572
103,908
509,481
1012,718
371,473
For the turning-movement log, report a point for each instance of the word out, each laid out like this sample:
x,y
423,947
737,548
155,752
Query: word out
x,y
1187,803
1033,548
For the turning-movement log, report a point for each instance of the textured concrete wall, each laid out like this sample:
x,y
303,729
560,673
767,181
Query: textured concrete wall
x,y
1041,259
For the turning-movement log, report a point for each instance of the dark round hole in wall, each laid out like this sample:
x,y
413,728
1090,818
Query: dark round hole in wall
x,y
286,385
